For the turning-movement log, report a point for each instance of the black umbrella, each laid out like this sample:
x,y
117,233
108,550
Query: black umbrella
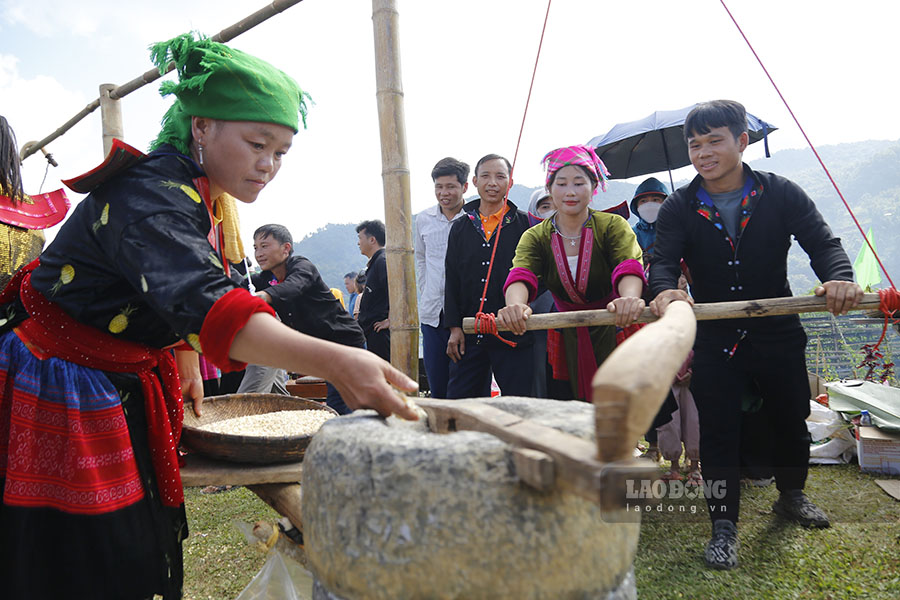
x,y
656,143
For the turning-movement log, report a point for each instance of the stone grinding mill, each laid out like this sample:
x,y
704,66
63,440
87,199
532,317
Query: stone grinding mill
x,y
504,498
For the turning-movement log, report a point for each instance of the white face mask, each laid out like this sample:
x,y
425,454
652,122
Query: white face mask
x,y
649,211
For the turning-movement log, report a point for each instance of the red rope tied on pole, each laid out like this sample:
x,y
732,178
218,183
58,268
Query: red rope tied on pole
x,y
889,305
486,322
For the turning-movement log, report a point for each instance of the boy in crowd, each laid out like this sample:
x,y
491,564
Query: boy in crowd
x,y
733,226
302,300
469,248
450,178
375,305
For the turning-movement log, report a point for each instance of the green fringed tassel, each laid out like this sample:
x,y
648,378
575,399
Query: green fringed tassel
x,y
179,50
196,59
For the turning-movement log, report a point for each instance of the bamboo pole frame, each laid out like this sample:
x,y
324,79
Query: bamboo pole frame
x,y
110,117
766,307
395,178
227,34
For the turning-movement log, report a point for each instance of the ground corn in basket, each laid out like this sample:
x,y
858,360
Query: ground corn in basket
x,y
285,423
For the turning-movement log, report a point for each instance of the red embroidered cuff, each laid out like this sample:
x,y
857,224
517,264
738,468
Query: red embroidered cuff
x,y
226,317
627,267
525,276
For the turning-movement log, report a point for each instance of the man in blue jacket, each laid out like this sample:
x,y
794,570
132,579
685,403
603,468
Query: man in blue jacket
x,y
733,227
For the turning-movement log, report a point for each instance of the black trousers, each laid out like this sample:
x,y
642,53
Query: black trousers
x,y
379,342
513,368
719,384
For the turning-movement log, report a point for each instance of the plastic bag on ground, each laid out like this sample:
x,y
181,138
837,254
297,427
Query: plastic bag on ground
x,y
281,577
835,451
833,443
822,422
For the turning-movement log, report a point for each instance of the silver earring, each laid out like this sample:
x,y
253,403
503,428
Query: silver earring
x,y
200,153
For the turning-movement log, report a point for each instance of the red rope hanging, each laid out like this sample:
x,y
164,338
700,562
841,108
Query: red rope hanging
x,y
889,305
813,148
485,322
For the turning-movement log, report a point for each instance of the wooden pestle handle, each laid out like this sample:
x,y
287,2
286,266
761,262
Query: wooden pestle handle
x,y
631,384
766,307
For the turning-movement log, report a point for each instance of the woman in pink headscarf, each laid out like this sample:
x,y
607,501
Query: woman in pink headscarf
x,y
586,258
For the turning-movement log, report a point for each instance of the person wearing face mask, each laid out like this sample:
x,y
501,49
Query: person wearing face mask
x,y
648,199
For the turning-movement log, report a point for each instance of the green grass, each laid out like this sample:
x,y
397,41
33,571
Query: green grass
x,y
218,561
856,558
859,557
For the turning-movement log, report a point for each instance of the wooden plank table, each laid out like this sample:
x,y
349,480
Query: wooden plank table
x,y
277,485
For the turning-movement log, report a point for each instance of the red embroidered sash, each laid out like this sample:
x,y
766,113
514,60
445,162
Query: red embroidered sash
x,y
576,288
49,331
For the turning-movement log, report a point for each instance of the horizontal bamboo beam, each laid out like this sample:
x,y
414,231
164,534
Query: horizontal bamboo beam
x,y
152,75
766,307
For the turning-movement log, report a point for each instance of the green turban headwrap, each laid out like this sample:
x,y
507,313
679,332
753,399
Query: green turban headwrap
x,y
219,82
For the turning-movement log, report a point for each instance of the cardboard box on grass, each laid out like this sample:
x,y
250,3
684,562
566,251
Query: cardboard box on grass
x,y
879,451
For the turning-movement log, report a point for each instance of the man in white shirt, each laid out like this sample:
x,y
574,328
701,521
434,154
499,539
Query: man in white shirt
x,y
432,230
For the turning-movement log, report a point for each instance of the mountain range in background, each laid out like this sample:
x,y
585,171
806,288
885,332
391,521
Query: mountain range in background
x,y
868,174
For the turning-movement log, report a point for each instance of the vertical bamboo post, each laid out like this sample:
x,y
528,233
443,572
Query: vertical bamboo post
x,y
110,117
395,178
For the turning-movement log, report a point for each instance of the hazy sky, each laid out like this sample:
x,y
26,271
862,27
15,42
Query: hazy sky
x,y
466,69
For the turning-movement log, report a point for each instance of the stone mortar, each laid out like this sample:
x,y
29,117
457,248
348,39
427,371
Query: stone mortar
x,y
393,511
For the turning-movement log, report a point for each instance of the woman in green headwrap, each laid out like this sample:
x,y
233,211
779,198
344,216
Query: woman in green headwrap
x,y
90,402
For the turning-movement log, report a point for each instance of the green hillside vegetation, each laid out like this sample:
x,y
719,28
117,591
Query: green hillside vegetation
x,y
868,174
334,251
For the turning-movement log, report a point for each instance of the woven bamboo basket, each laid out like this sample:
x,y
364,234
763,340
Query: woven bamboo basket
x,y
243,448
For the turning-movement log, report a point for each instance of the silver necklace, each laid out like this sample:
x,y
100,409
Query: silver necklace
x,y
573,239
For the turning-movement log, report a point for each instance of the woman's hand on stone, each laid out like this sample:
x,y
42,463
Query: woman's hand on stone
x,y
367,381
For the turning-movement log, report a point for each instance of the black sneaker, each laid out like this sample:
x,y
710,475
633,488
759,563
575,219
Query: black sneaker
x,y
721,551
794,505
